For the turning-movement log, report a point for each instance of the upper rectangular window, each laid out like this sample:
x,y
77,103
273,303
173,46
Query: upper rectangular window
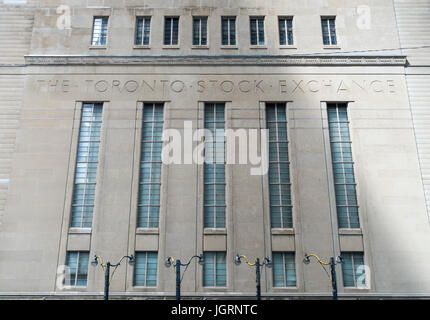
x,y
286,31
143,30
343,166
86,166
145,269
214,269
279,167
100,29
284,269
150,166
214,167
77,263
171,31
200,31
257,31
328,25
353,269
228,26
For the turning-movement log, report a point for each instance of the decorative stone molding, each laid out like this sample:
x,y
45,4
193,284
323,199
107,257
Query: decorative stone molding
x,y
227,60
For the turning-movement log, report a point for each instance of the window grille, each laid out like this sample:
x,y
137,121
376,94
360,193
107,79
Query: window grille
x,y
279,167
150,166
343,166
86,166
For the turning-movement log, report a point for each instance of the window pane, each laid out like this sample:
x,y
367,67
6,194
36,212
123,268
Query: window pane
x,y
214,167
343,168
352,269
175,31
328,26
171,30
228,31
290,32
200,31
139,31
279,167
332,26
284,269
232,31
86,166
260,31
143,25
146,31
204,31
100,26
77,263
282,32
325,31
214,269
224,31
150,166
221,273
145,269
196,31
253,31
257,30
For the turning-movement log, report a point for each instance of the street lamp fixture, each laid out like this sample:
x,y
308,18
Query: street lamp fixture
x,y
266,262
332,264
170,261
106,267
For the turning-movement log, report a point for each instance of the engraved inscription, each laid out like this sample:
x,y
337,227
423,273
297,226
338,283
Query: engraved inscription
x,y
283,87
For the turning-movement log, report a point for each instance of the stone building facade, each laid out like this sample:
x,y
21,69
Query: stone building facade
x,y
87,88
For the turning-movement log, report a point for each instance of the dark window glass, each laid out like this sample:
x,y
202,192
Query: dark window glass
x,y
171,30
143,28
228,26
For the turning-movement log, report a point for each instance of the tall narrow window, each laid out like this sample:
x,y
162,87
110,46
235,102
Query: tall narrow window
x,y
279,167
77,263
214,269
343,166
143,29
200,31
214,167
100,27
257,31
329,31
171,31
353,269
228,26
284,269
150,166
145,269
286,31
86,166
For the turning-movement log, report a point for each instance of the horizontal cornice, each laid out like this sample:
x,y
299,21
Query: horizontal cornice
x,y
221,60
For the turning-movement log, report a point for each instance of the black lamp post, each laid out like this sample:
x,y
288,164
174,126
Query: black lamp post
x,y
332,264
266,262
177,264
106,266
